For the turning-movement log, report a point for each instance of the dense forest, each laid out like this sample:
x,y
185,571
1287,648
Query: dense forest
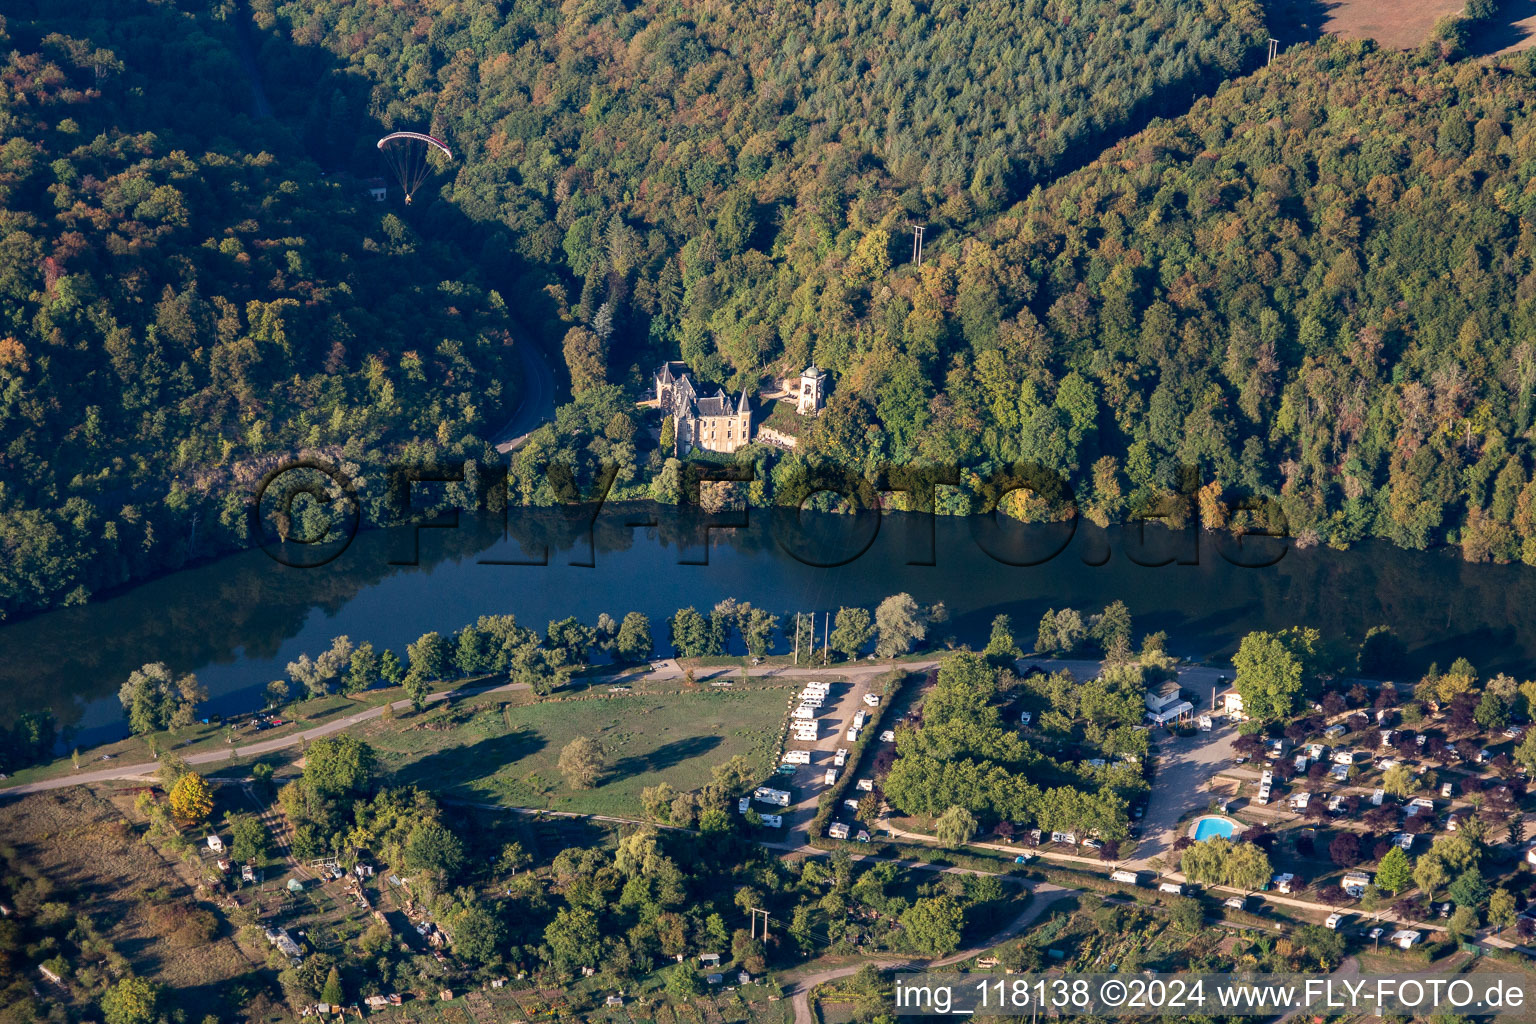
x,y
1300,289
1311,287
185,296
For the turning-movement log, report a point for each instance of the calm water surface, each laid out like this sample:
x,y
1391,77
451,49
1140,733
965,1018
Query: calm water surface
x,y
238,621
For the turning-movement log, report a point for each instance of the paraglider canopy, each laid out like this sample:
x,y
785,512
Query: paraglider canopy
x,y
408,154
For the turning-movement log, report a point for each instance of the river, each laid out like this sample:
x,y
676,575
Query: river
x,y
239,620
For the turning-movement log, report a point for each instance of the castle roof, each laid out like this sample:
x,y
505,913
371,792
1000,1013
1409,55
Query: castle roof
x,y
716,405
671,371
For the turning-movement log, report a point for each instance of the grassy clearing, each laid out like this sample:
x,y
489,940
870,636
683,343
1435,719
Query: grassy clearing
x,y
485,749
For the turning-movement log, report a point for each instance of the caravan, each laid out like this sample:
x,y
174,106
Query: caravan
x,y
777,797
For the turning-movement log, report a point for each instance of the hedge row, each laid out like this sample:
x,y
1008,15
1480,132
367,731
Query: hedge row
x,y
829,801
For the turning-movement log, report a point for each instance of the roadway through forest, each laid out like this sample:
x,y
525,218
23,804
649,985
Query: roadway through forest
x,y
261,107
536,405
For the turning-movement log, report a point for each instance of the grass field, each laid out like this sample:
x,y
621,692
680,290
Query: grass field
x,y
1399,24
484,749
1394,24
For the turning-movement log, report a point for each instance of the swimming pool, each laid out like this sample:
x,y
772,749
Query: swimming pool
x,y
1205,828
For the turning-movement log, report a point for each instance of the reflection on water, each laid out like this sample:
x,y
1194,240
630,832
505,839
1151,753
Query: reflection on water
x,y
238,621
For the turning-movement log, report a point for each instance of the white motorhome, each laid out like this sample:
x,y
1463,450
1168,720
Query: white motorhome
x,y
777,797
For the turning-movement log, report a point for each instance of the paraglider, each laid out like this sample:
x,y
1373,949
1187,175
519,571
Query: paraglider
x,y
409,155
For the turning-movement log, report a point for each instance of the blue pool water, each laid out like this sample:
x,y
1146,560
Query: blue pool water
x,y
1208,827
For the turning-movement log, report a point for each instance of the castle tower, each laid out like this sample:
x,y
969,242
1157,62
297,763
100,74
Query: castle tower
x,y
813,393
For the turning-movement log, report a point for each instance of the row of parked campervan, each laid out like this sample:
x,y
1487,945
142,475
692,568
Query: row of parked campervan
x,y
804,725
1129,877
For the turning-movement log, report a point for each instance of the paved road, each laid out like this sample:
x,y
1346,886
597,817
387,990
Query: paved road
x,y
1044,894
1185,767
670,670
148,769
536,405
859,672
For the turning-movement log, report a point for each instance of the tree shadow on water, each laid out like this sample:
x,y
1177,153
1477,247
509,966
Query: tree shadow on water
x,y
669,755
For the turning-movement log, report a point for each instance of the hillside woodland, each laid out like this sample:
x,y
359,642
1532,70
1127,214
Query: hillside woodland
x,y
1313,287
1299,302
184,296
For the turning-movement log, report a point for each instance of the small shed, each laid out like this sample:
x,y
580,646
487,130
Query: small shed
x,y
709,959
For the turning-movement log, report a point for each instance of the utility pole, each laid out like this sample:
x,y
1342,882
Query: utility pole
x,y
797,638
755,911
917,244
1274,49
826,639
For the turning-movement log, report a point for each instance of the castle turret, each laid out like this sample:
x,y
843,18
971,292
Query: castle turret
x,y
813,394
